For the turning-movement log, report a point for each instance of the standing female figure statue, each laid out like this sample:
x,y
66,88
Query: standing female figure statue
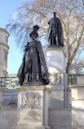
x,y
33,70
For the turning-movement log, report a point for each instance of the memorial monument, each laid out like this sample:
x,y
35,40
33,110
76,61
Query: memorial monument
x,y
33,94
42,100
55,53
59,106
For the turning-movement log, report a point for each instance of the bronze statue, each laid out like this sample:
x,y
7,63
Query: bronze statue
x,y
55,32
33,70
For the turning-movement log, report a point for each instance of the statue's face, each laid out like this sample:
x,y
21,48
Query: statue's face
x,y
54,14
33,37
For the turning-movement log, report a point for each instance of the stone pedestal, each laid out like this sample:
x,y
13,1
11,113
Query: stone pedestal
x,y
59,107
24,108
33,107
60,93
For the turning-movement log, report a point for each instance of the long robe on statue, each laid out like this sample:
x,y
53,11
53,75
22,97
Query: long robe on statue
x,y
33,70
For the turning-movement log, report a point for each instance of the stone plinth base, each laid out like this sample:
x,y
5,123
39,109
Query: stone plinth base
x,y
33,107
24,108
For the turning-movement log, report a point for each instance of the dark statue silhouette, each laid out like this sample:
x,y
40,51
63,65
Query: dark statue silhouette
x,y
33,70
55,37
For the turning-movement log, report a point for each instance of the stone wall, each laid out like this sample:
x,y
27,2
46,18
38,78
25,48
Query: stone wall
x,y
8,118
60,119
77,96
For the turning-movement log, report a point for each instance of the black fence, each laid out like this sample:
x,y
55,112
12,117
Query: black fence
x,y
12,82
9,82
72,79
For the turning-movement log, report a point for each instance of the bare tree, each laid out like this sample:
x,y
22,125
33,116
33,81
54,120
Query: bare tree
x,y
39,12
78,68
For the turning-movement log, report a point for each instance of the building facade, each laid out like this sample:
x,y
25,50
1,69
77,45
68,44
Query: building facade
x,y
3,51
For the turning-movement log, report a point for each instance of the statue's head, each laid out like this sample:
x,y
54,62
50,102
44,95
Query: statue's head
x,y
54,14
34,33
35,28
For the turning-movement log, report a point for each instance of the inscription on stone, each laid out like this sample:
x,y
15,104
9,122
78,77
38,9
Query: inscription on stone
x,y
31,100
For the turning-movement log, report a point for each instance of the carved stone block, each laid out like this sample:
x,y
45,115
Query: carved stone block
x,y
30,100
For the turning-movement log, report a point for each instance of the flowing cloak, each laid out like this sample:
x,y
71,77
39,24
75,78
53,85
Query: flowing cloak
x,y
33,64
55,29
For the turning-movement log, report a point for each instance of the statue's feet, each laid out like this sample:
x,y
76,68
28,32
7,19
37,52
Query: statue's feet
x,y
34,83
60,45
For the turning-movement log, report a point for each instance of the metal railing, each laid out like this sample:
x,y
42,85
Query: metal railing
x,y
76,79
9,82
56,79
72,79
12,82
